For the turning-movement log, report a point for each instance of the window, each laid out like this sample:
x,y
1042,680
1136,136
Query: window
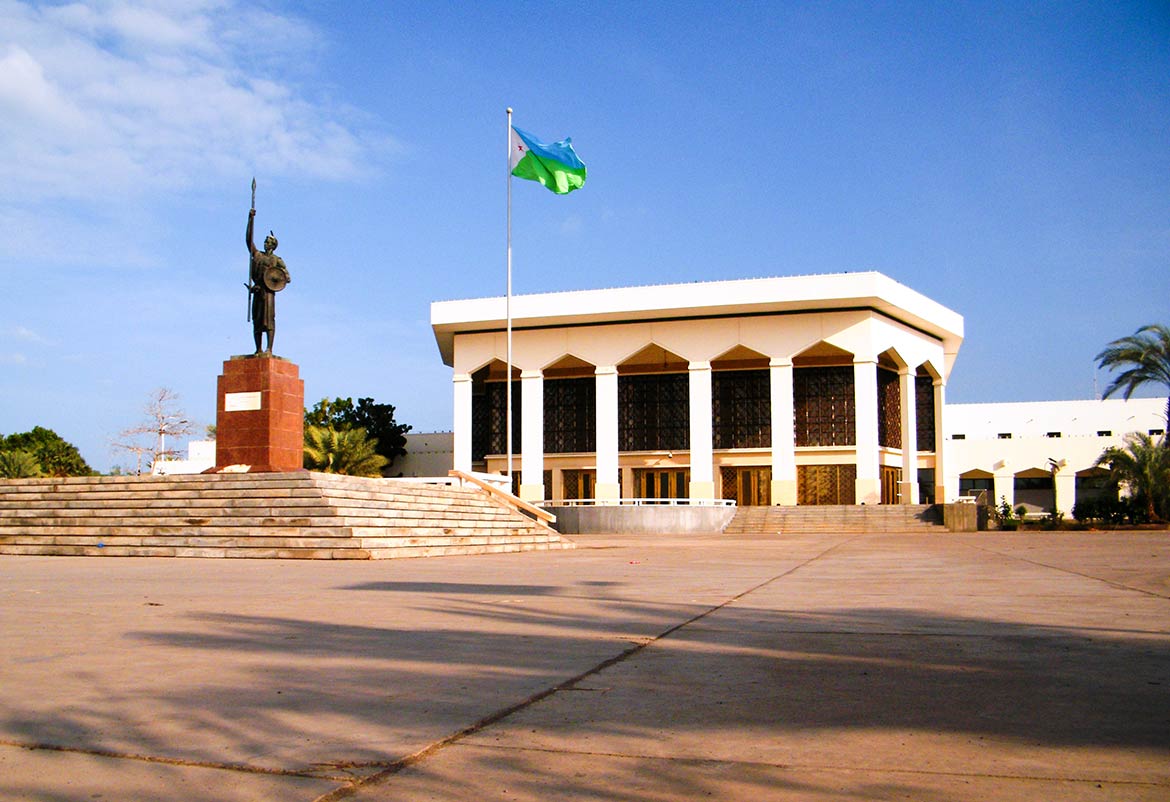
x,y
1053,434
958,437
741,402
823,406
570,415
924,411
1005,435
1156,432
1104,433
889,409
653,412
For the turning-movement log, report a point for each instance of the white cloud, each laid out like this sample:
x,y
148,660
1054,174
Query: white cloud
x,y
19,332
106,98
13,359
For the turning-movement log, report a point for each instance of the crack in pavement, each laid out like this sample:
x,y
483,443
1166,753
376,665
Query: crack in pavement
x,y
396,766
313,774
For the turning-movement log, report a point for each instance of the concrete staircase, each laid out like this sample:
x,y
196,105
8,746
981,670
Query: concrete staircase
x,y
265,515
845,519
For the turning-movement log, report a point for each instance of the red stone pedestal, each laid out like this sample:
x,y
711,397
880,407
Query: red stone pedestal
x,y
260,415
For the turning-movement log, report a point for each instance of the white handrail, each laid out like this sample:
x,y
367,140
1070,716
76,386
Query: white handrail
x,y
640,502
505,496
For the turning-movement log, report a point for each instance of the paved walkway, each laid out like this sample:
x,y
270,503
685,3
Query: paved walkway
x,y
942,667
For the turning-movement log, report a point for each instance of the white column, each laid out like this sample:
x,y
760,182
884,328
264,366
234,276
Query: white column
x,y
783,433
1065,488
461,433
909,488
865,401
607,486
941,480
532,435
1004,483
702,459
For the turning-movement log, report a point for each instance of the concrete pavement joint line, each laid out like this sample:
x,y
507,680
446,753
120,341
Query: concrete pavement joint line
x,y
172,761
1109,582
394,767
820,767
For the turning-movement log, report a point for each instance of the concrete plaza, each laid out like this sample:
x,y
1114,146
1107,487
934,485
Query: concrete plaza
x,y
942,667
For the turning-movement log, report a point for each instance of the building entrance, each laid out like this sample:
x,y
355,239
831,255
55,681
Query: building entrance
x,y
826,484
747,487
578,484
662,483
890,476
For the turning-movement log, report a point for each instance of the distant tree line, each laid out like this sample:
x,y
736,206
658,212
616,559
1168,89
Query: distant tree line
x,y
40,452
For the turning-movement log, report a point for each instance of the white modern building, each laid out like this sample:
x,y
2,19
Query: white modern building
x,y
1041,455
823,389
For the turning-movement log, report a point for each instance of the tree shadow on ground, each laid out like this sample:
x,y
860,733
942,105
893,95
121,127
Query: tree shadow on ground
x,y
327,697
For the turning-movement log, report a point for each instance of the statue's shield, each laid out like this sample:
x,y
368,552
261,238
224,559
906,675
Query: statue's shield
x,y
275,279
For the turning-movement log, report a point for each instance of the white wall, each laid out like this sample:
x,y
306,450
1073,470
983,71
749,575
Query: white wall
x,y
200,457
427,454
1031,449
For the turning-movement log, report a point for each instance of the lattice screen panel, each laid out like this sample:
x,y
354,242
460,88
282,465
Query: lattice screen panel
x,y
826,484
889,409
924,410
654,412
570,415
824,407
741,403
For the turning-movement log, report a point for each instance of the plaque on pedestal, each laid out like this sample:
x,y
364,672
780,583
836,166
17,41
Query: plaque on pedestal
x,y
260,416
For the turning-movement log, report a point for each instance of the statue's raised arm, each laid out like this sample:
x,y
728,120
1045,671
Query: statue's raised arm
x,y
248,235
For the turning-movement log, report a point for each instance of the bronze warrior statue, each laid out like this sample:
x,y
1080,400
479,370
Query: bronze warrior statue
x,y
267,276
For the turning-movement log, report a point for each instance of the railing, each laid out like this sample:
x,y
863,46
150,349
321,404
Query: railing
x,y
978,497
499,480
504,496
640,502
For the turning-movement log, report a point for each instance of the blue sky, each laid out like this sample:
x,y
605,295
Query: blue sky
x,y
1009,160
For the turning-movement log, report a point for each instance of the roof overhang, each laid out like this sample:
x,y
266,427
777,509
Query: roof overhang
x,y
780,295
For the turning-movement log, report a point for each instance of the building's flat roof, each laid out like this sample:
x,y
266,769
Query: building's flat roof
x,y
813,293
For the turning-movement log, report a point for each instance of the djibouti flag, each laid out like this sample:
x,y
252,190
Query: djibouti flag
x,y
554,165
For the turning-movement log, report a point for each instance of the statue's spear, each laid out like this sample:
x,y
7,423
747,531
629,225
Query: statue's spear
x,y
249,284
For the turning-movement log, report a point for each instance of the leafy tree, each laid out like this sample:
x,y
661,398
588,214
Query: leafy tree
x,y
55,455
19,464
1143,358
1143,464
376,419
348,451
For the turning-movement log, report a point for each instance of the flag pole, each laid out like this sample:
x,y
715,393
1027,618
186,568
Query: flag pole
x,y
508,305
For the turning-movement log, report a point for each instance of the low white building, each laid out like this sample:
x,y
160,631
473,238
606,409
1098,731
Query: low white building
x,y
200,457
1041,454
427,454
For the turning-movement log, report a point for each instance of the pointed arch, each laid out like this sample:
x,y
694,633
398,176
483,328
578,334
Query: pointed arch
x,y
652,358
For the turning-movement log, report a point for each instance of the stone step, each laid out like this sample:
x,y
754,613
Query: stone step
x,y
252,518
835,519
276,528
287,553
296,516
188,551
384,540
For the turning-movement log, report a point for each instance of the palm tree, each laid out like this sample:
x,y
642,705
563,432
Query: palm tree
x,y
19,464
1143,464
347,451
1143,358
